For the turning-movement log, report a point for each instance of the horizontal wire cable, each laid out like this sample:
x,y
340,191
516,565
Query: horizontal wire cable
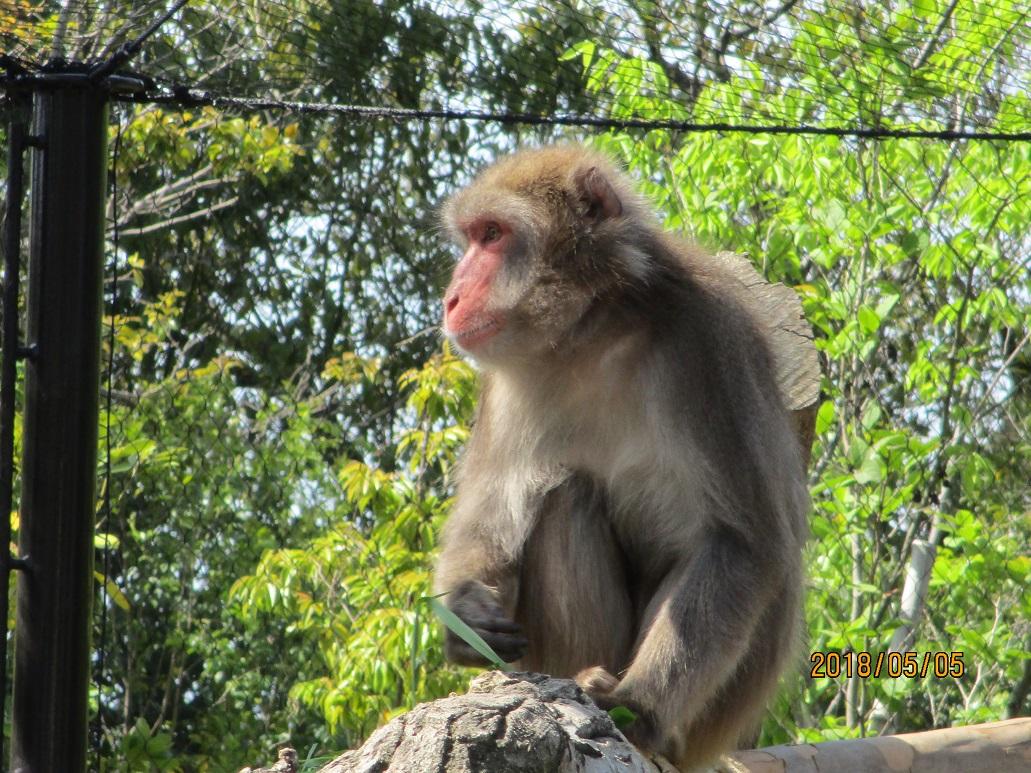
x,y
192,98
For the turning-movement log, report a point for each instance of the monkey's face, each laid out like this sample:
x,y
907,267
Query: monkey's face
x,y
507,297
539,248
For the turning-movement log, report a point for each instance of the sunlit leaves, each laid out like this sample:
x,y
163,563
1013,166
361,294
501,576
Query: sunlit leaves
x,y
356,592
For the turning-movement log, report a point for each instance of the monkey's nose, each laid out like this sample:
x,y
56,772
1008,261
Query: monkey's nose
x,y
451,303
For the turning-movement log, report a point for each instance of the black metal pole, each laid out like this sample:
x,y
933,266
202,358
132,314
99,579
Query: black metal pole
x,y
9,346
52,631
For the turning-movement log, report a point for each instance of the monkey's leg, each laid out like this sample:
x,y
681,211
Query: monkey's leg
x,y
574,605
732,719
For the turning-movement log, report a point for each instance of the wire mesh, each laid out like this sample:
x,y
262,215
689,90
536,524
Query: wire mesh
x,y
518,57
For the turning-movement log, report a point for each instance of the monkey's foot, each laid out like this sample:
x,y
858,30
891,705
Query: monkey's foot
x,y
596,681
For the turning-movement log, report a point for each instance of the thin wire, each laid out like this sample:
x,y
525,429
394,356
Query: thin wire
x,y
185,97
129,50
98,727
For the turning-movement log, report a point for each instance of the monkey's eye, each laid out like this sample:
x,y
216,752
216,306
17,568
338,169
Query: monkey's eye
x,y
491,233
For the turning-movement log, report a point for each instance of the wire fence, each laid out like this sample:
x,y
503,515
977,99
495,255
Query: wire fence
x,y
280,421
519,59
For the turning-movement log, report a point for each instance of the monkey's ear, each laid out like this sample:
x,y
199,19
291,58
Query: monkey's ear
x,y
600,201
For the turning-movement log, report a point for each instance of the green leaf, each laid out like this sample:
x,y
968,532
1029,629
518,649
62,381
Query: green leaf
x,y
924,8
872,468
832,215
886,304
585,49
868,319
467,634
824,417
871,415
113,591
159,745
105,541
622,716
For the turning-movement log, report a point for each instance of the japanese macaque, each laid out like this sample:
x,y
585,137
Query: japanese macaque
x,y
632,504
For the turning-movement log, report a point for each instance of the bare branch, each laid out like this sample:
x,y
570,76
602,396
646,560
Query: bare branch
x,y
199,214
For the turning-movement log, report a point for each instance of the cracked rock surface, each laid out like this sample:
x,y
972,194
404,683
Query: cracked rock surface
x,y
506,723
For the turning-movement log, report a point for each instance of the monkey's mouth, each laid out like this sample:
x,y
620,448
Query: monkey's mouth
x,y
477,334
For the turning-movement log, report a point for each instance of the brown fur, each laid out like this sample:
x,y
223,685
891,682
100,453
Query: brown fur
x,y
633,496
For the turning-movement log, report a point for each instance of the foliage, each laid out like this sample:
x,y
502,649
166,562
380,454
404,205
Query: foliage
x,y
188,524
357,593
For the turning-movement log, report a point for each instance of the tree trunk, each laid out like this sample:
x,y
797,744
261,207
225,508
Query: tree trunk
x,y
506,723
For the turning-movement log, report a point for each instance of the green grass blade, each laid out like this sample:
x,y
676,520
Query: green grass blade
x,y
467,634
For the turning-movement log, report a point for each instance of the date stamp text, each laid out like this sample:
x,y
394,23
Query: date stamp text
x,y
912,665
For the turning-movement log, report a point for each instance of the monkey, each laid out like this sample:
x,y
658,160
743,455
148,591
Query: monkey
x,y
631,504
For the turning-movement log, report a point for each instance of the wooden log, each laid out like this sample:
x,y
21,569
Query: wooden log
x,y
995,747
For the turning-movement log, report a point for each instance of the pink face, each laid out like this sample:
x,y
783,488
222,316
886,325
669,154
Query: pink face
x,y
468,320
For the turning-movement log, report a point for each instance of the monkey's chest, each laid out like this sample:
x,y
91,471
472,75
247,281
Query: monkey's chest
x,y
637,456
650,499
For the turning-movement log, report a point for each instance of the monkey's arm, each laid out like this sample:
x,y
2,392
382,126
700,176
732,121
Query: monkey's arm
x,y
479,587
479,578
477,606
699,631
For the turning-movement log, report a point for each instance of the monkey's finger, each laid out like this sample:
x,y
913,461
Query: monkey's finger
x,y
499,625
508,647
457,651
511,656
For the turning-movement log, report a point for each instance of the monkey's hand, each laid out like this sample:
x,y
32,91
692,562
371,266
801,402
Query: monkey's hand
x,y
477,606
602,686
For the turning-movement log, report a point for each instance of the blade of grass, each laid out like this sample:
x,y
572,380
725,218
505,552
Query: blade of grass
x,y
467,634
